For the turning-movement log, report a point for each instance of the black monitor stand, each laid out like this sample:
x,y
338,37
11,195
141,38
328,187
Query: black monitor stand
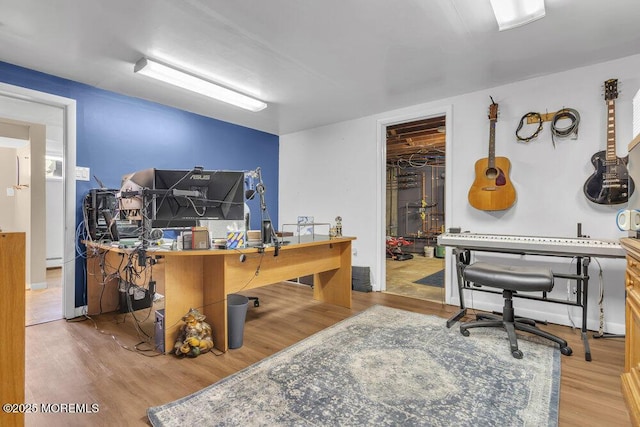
x,y
112,225
266,232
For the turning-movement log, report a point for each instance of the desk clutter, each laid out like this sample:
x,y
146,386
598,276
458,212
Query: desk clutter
x,y
196,238
199,238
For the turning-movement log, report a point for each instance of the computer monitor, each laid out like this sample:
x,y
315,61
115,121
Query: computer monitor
x,y
180,198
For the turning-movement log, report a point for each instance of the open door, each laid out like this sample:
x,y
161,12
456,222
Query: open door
x,y
415,207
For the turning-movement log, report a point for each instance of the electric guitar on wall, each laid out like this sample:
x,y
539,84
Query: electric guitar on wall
x,y
492,190
610,184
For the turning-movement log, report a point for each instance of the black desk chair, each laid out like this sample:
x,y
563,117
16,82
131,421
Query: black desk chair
x,y
511,279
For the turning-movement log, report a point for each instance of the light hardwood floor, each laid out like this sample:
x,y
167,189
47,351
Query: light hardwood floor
x,y
45,305
87,362
401,276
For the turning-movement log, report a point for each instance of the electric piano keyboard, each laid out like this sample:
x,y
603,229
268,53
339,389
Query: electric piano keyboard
x,y
533,244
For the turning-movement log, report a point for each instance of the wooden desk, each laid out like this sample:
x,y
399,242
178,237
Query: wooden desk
x,y
203,278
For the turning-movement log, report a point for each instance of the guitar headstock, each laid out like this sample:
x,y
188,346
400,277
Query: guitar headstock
x,y
493,111
610,89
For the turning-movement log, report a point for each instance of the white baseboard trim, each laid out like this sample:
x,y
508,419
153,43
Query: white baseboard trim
x,y
54,262
79,311
38,286
560,318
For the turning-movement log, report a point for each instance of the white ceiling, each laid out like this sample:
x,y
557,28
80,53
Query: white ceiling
x,y
314,61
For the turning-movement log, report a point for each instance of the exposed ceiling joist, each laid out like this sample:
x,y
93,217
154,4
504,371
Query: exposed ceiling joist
x,y
417,142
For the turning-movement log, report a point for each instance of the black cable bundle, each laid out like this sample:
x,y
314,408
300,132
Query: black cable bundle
x,y
571,129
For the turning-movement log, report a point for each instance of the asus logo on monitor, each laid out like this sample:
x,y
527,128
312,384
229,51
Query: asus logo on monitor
x,y
201,177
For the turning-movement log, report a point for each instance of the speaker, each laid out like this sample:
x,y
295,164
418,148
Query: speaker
x,y
628,219
159,331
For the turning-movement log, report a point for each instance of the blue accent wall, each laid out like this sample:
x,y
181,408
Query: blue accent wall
x,y
118,134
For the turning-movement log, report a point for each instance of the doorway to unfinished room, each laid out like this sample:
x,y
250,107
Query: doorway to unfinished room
x,y
415,208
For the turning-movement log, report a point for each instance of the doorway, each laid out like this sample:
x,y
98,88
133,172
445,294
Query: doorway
x,y
415,208
33,204
35,103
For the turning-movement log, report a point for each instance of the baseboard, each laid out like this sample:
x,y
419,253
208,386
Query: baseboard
x,y
54,262
38,286
78,312
559,318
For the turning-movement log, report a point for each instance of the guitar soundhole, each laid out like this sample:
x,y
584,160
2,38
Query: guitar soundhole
x,y
497,176
491,173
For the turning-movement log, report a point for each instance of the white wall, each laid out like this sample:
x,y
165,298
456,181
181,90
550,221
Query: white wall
x,y
335,170
22,206
55,222
7,181
30,204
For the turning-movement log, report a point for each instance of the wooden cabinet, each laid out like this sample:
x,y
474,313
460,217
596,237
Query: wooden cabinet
x,y
12,320
631,375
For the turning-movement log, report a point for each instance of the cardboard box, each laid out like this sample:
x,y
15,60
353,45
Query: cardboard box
x,y
253,235
200,238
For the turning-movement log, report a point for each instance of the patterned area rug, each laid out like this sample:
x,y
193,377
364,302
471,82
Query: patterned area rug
x,y
436,279
384,367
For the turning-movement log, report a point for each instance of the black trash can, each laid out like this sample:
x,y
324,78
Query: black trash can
x,y
236,315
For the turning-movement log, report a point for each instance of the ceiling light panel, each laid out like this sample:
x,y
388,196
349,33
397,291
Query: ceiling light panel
x,y
195,84
515,13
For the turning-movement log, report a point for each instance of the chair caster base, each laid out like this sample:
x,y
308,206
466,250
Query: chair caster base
x,y
566,351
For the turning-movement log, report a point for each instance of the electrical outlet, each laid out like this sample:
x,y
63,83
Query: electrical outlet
x,y
83,174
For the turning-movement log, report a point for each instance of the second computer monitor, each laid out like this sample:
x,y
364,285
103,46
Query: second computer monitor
x,y
180,198
197,195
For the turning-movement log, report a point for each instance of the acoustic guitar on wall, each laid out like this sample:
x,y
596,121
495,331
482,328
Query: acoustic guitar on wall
x,y
492,190
610,184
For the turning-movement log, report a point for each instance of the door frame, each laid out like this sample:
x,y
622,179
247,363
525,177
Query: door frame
x,y
68,107
381,183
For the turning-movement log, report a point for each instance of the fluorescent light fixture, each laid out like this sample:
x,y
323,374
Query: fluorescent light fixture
x,y
514,13
190,82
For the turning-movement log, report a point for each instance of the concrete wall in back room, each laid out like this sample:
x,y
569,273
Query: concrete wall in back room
x,y
335,169
117,134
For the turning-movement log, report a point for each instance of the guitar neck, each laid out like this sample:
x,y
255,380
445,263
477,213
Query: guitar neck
x,y
492,144
611,130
